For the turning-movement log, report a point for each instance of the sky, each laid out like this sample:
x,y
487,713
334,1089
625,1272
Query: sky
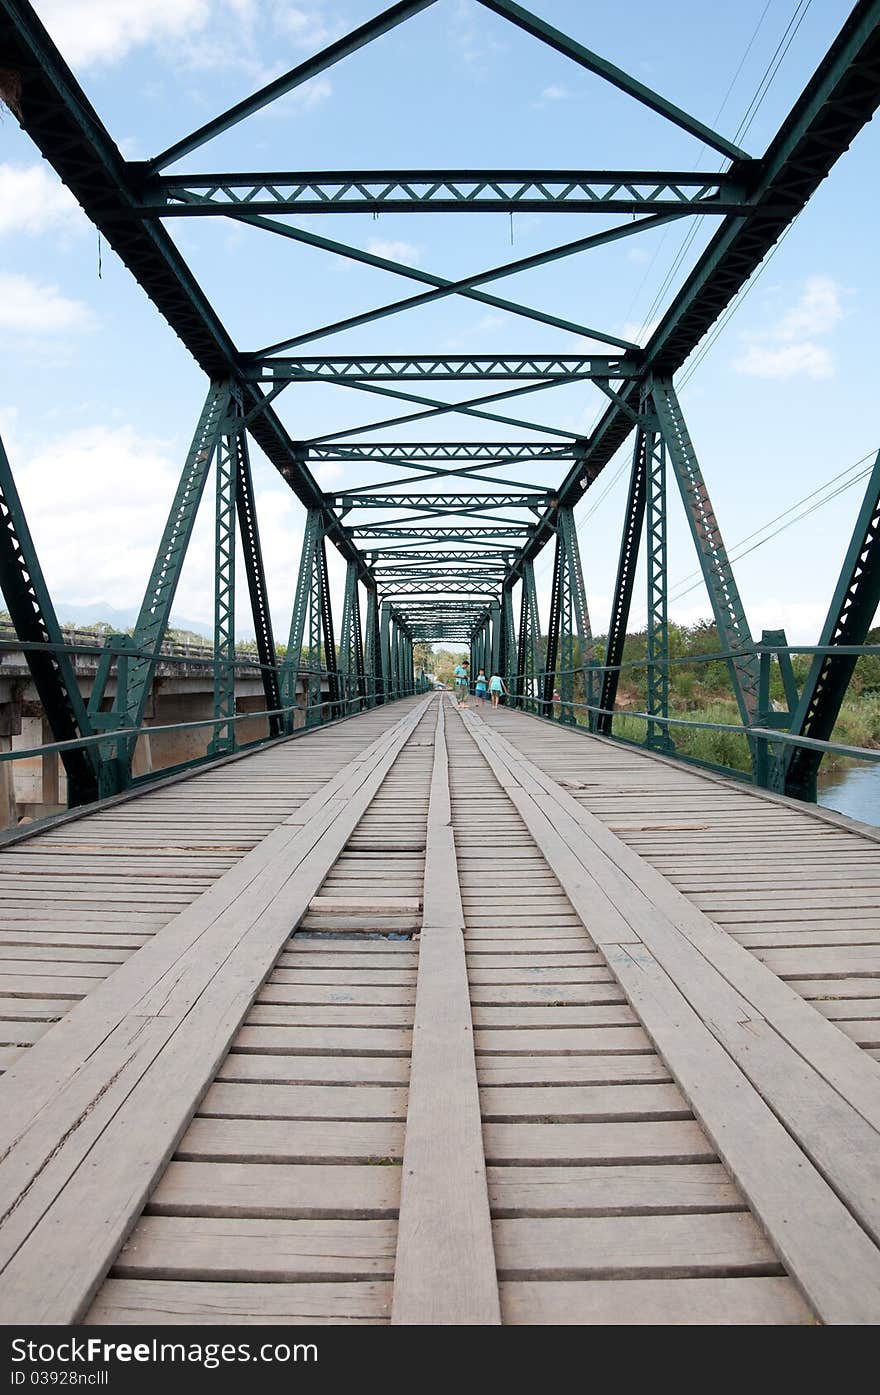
x,y
98,398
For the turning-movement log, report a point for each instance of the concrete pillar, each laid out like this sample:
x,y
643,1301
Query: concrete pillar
x,y
8,806
51,762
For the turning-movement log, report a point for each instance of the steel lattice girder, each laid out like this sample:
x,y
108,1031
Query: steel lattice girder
x,y
850,615
399,453
436,368
839,99
440,503
443,191
837,102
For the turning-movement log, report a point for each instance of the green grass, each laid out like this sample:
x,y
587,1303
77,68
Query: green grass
x,y
857,725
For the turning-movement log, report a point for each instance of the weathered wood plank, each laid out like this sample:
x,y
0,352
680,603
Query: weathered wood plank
x,y
656,1302
91,1121
445,1270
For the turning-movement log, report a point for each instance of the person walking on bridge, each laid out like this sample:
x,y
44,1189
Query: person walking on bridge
x,y
462,683
496,688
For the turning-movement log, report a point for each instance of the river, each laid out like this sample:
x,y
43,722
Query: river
x,y
855,792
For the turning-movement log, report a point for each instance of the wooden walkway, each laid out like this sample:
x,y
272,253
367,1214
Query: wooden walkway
x,y
440,1017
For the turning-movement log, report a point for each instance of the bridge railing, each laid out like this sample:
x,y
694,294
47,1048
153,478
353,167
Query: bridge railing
x,y
765,740
112,739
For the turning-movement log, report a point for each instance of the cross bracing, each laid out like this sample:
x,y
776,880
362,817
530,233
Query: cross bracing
x,y
484,529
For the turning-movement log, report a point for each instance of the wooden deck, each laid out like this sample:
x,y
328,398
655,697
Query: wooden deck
x,y
441,1017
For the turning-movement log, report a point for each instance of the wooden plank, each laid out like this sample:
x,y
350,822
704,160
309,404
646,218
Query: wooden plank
x,y
445,1271
291,1141
241,1101
658,1302
257,1250
642,1189
608,1247
582,1103
144,1302
811,1235
92,1116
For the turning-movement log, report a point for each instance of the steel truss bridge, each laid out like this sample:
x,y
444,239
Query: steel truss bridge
x,y
414,1013
436,547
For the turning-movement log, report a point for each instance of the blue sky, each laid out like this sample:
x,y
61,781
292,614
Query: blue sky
x,y
98,398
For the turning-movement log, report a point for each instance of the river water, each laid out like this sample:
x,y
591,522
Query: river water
x,y
855,792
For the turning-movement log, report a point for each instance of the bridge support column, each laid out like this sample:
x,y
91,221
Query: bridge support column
x,y
155,611
849,619
657,737
33,615
569,638
373,651
633,524
530,659
312,643
727,608
223,739
351,648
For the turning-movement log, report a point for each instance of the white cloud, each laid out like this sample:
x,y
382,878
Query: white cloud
x,y
308,28
807,360
29,307
395,251
555,93
301,99
638,255
634,331
90,32
789,349
817,312
86,489
329,472
33,200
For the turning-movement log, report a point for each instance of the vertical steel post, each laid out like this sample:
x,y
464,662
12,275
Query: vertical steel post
x,y
351,652
727,607
385,651
576,636
508,656
531,659
849,619
373,651
657,671
223,739
35,621
332,707
155,611
301,604
246,504
495,624
623,589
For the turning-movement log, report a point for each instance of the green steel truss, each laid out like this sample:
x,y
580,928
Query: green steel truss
x,y
443,541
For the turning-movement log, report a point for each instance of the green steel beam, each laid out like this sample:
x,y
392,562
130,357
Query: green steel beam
x,y
410,452
155,611
657,736
850,616
437,409
289,81
570,48
631,538
33,615
256,580
223,739
467,286
443,368
727,607
437,502
443,191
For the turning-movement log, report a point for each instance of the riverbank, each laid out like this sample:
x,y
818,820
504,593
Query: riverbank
x,y
857,725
